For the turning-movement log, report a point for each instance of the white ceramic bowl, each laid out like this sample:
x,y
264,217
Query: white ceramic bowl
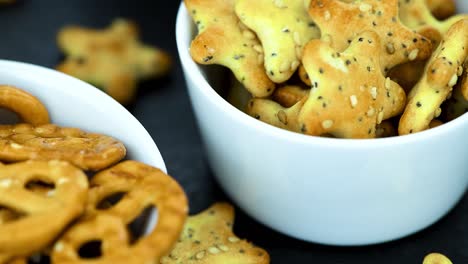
x,y
74,103
330,191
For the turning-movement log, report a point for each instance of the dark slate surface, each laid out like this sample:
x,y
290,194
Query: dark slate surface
x,y
27,33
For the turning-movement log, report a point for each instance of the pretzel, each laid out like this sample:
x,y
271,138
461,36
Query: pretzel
x,y
436,258
416,15
222,39
143,186
113,59
289,95
349,95
283,27
441,74
341,22
207,238
442,9
273,113
88,151
24,104
42,218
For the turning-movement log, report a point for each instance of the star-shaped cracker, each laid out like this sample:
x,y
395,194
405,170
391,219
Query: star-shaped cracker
x,y
283,27
207,238
113,59
222,39
441,75
341,22
416,14
349,95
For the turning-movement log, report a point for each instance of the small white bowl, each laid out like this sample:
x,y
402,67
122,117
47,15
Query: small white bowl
x,y
74,103
329,191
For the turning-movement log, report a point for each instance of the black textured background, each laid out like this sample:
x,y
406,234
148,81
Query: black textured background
x,y
27,34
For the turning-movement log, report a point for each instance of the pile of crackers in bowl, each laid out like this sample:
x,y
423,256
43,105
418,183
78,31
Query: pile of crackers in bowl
x,y
339,68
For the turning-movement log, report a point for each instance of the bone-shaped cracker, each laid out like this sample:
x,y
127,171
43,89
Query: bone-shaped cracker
x,y
24,104
89,151
416,14
43,218
207,238
349,95
222,39
283,27
143,186
441,75
341,22
436,258
113,59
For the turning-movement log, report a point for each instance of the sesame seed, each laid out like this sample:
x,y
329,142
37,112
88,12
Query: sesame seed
x,y
214,250
283,118
58,247
297,38
327,124
294,65
50,193
285,66
5,183
223,248
62,181
233,239
280,4
413,54
437,112
200,254
258,48
453,80
354,101
371,111
365,7
380,118
248,34
390,48
327,15
16,146
373,92
388,83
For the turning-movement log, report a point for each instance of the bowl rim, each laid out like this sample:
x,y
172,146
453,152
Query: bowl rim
x,y
185,27
89,90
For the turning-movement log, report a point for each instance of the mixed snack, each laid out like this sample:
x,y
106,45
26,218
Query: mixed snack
x,y
112,59
339,68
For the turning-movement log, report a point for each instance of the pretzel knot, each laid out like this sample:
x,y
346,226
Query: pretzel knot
x,y
25,105
32,220
143,186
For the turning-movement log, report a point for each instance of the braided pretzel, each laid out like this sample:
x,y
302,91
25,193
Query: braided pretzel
x,y
42,217
143,186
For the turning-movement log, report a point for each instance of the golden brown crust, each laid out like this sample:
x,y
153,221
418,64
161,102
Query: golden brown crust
x,y
24,104
222,39
207,238
289,95
143,186
113,59
436,258
43,217
441,75
283,27
349,95
341,22
88,151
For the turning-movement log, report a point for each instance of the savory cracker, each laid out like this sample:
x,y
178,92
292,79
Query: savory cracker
x,y
436,258
89,151
416,14
350,96
207,238
283,27
223,39
113,59
341,22
289,95
441,75
24,104
38,219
